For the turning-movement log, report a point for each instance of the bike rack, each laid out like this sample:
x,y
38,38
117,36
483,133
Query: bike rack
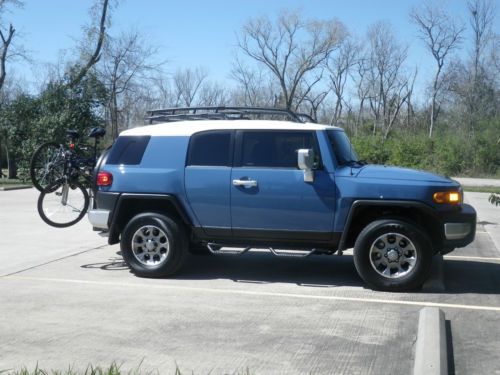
x,y
278,253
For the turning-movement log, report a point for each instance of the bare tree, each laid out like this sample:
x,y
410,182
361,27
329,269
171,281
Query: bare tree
x,y
315,99
361,82
95,56
387,82
6,36
291,48
126,64
482,15
441,35
339,66
254,88
187,83
212,94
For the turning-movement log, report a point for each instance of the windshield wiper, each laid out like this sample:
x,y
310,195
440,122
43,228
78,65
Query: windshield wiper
x,y
354,163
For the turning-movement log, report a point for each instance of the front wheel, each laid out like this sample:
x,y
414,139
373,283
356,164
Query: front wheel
x,y
63,204
393,255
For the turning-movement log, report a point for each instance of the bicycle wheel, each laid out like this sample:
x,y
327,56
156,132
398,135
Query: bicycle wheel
x,y
63,204
46,165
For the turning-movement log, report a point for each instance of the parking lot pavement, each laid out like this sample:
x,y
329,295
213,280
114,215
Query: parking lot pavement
x,y
227,314
27,241
487,214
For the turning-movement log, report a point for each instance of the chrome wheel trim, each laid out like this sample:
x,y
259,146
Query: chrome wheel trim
x,y
150,245
393,255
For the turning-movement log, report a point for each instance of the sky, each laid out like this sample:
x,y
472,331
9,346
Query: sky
x,y
193,33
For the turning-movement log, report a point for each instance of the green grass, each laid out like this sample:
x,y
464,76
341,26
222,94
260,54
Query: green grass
x,y
482,189
13,183
7,181
113,369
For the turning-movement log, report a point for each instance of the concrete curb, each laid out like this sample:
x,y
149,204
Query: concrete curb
x,y
431,357
15,187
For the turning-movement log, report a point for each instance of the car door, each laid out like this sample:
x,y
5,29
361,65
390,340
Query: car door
x,y
269,198
207,179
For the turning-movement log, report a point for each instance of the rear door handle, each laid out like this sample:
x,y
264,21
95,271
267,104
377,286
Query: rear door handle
x,y
245,183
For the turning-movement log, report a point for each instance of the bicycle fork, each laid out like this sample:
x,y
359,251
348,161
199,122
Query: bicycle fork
x,y
64,193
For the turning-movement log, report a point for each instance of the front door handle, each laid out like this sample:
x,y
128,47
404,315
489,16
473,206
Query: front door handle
x,y
245,183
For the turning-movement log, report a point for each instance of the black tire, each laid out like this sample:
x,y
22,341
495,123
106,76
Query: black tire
x,y
54,213
411,262
40,176
169,245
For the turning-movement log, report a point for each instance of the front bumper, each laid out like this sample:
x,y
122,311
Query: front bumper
x,y
459,228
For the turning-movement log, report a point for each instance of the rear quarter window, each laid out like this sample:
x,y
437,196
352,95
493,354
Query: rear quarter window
x,y
128,150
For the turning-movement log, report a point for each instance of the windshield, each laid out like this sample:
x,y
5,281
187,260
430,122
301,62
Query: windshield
x,y
344,152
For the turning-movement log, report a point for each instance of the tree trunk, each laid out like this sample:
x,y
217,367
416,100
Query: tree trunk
x,y
11,164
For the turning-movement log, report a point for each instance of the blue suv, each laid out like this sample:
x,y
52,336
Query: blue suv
x,y
214,178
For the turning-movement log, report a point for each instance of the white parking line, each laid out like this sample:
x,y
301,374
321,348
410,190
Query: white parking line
x,y
254,293
464,257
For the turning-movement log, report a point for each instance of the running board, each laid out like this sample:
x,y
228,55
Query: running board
x,y
279,253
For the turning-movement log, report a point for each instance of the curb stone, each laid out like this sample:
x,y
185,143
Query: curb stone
x,y
15,187
431,357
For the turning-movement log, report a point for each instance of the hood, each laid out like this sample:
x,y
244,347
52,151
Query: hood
x,y
397,173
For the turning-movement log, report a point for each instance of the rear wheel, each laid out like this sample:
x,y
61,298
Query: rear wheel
x,y
393,255
63,204
154,245
46,165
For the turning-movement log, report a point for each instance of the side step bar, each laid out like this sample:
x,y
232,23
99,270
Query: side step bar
x,y
216,249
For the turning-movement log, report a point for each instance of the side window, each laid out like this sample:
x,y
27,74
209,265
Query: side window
x,y
274,149
210,149
128,150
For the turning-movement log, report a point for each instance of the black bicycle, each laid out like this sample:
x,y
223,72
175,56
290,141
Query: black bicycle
x,y
66,182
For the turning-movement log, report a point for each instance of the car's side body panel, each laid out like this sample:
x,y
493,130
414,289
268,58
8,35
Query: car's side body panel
x,y
282,206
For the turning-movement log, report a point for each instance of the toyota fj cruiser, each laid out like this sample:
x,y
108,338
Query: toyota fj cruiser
x,y
224,177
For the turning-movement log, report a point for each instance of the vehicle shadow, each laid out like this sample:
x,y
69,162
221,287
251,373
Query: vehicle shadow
x,y
316,270
113,264
460,276
478,277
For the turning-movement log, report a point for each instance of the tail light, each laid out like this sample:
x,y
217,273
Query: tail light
x,y
104,178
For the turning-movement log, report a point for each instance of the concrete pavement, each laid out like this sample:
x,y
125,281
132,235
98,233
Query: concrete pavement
x,y
487,214
468,181
70,300
27,241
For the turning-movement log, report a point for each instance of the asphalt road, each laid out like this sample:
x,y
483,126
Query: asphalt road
x,y
67,299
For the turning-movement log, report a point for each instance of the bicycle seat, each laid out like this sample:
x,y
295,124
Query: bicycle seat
x,y
97,132
73,134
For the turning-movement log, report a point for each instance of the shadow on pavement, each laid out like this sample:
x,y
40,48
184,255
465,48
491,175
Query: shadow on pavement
x,y
114,264
317,270
471,277
460,276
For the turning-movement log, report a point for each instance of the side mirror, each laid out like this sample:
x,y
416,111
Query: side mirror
x,y
305,161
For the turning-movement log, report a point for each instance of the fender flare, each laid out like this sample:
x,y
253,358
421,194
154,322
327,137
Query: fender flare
x,y
389,203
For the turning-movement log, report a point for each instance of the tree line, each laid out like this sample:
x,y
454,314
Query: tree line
x,y
360,80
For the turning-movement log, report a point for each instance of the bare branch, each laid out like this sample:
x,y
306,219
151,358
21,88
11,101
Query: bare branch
x,y
94,58
290,48
441,35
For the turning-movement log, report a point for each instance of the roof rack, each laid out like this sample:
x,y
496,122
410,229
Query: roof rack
x,y
223,113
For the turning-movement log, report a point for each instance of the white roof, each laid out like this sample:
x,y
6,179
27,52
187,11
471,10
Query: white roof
x,y
187,128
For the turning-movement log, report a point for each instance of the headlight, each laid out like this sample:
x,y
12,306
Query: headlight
x,y
452,197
